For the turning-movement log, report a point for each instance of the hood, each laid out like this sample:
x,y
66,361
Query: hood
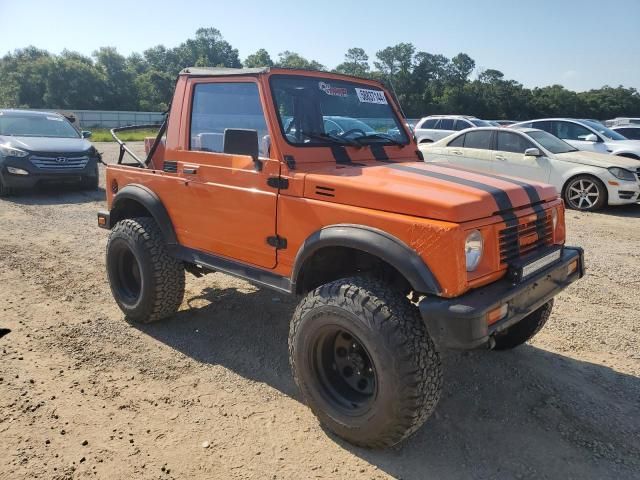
x,y
626,145
603,160
428,190
47,144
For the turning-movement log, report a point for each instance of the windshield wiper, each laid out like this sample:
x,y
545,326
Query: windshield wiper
x,y
383,136
330,138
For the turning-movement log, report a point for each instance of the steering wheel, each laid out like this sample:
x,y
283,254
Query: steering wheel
x,y
353,130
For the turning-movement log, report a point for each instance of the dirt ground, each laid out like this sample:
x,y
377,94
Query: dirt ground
x,y
208,394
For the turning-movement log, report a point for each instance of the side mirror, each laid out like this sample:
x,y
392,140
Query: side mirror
x,y
86,134
532,152
242,141
592,137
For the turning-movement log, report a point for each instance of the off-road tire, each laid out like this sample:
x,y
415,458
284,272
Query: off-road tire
x,y
525,329
161,277
407,366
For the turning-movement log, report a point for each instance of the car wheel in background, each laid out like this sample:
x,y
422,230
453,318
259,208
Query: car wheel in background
x,y
4,190
585,193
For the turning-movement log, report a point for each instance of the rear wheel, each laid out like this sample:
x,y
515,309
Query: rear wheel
x,y
585,193
525,329
146,282
364,362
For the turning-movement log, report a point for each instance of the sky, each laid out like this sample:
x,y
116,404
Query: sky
x,y
581,44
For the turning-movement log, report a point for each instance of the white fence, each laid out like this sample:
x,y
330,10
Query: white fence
x,y
110,119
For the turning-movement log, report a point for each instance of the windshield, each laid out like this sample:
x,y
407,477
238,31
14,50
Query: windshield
x,y
602,130
551,142
25,125
481,123
317,112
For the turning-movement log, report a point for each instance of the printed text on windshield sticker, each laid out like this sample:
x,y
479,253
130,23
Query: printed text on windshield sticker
x,y
334,91
371,96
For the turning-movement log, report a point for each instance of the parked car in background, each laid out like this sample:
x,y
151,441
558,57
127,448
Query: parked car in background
x,y
502,123
43,147
632,132
622,121
433,128
586,180
586,135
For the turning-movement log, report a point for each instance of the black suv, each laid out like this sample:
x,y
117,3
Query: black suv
x,y
43,147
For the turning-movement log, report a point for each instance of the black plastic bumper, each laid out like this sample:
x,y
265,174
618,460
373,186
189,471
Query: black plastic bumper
x,y
461,323
37,176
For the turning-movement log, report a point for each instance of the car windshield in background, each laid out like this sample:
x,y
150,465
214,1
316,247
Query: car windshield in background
x,y
551,143
602,130
480,123
316,111
36,126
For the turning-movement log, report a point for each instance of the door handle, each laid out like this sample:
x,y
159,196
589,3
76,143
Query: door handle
x,y
190,170
500,157
456,152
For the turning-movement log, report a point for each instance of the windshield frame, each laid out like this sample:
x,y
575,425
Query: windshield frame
x,y
398,120
19,114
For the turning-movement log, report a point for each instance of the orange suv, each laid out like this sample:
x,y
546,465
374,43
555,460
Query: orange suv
x,y
310,183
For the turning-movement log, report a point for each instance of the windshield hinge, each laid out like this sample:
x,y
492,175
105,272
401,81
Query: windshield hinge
x,y
278,182
290,161
277,242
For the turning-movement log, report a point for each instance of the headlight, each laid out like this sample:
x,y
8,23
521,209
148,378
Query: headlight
x,y
554,218
8,151
622,174
473,250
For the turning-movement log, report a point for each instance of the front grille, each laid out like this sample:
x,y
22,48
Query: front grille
x,y
525,238
60,162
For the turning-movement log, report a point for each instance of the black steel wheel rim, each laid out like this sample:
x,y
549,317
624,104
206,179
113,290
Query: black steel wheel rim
x,y
347,377
128,276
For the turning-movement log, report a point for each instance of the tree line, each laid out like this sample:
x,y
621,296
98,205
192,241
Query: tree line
x,y
425,83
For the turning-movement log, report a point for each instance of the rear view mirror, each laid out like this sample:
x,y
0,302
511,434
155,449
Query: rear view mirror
x,y
532,152
86,134
591,138
242,141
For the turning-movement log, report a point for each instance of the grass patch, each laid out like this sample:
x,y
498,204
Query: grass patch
x,y
103,135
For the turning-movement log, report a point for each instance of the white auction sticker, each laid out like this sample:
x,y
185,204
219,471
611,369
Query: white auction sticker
x,y
371,96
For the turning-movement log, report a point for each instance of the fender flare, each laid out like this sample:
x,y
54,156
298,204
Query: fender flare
x,y
151,202
375,242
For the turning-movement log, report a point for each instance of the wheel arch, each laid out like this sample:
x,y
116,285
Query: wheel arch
x,y
136,200
345,245
624,154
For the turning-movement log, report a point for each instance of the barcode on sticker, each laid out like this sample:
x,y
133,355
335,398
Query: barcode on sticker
x,y
371,96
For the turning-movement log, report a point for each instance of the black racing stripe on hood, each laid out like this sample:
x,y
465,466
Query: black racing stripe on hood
x,y
499,196
530,190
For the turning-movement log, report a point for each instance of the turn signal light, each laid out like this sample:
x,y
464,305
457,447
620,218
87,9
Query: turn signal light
x,y
497,314
573,266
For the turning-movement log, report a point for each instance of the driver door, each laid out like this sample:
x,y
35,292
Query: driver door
x,y
232,208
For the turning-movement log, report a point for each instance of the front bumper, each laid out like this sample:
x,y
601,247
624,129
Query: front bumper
x,y
38,176
461,323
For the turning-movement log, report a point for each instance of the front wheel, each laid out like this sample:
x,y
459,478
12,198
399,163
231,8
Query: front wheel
x,y
585,193
146,282
364,362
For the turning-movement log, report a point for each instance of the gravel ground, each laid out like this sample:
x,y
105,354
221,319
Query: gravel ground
x,y
208,394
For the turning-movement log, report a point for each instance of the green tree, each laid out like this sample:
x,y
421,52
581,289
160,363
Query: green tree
x,y
288,59
259,59
356,62
120,93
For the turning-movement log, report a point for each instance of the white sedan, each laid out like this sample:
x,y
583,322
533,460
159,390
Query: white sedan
x,y
586,135
586,180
